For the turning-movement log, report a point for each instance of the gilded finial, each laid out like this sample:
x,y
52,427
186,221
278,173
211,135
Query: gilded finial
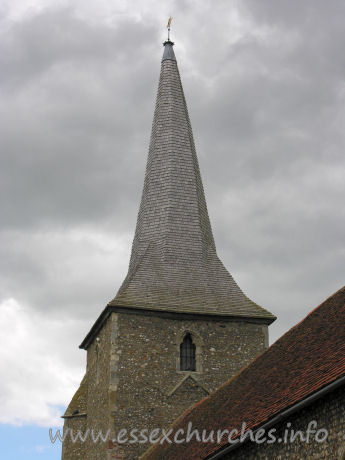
x,y
168,27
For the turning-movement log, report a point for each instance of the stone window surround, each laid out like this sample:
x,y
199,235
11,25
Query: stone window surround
x,y
198,342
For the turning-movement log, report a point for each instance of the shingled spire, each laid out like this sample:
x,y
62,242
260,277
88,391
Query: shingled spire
x,y
174,266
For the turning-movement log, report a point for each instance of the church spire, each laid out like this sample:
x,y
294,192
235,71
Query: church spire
x,y
174,266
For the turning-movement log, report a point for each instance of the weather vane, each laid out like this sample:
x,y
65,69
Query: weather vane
x,y
168,27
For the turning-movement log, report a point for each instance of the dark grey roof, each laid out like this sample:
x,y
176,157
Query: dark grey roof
x,y
168,51
174,265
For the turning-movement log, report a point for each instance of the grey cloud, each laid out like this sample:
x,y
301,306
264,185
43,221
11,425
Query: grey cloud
x,y
267,114
67,135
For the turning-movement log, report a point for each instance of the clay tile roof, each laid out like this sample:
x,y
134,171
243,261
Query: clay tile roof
x,y
174,266
307,358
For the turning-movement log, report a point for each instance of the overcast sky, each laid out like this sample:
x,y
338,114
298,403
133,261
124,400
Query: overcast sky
x,y
264,83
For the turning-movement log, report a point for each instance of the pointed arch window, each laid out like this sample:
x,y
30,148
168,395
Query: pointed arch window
x,y
187,354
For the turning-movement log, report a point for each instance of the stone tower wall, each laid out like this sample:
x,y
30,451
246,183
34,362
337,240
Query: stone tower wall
x,y
134,377
102,375
74,450
75,421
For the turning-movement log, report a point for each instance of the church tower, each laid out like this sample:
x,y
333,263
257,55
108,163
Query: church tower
x,y
179,325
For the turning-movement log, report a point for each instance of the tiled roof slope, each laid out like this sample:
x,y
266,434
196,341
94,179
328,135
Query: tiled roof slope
x,y
174,265
307,358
